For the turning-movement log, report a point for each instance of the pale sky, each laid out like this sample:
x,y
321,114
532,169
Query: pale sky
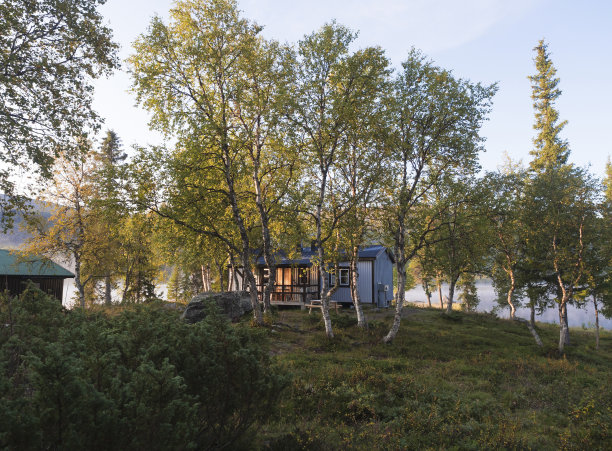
x,y
483,40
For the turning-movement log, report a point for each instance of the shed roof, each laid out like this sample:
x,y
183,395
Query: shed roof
x,y
17,265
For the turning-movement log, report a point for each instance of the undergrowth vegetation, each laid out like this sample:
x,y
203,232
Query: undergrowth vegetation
x,y
139,378
459,381
136,377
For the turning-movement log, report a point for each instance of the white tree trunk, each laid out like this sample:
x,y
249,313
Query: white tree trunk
x,y
532,329
325,302
77,279
427,292
399,302
107,290
451,294
510,293
325,293
252,284
563,326
596,323
361,320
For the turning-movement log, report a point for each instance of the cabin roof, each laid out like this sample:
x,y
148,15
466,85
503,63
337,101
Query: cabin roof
x,y
307,253
22,265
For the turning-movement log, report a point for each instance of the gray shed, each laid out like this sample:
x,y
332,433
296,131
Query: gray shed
x,y
375,278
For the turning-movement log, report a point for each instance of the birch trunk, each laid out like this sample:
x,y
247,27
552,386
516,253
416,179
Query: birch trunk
x,y
361,320
532,329
427,293
451,294
563,327
257,316
234,278
566,322
77,279
399,301
440,293
126,282
324,292
107,290
596,323
240,224
265,235
532,317
510,293
530,324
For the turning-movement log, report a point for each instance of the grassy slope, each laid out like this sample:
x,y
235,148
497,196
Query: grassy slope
x,y
460,381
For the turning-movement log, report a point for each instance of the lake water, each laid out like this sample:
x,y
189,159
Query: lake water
x,y
577,317
70,293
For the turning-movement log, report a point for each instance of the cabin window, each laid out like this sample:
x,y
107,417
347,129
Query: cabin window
x,y
344,277
343,273
332,279
265,276
303,276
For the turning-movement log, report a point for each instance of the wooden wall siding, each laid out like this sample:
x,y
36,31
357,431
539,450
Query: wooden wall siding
x,y
16,285
364,283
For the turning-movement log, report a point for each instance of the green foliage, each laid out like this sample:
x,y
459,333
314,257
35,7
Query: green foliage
x,y
140,379
49,51
550,149
469,293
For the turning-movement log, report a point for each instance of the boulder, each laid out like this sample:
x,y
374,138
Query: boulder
x,y
232,304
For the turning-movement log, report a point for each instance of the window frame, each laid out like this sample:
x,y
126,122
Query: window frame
x,y
303,276
345,272
342,272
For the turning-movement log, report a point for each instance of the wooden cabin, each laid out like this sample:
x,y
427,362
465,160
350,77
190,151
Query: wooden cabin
x,y
297,279
16,270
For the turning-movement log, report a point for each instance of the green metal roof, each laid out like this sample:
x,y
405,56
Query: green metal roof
x,y
28,265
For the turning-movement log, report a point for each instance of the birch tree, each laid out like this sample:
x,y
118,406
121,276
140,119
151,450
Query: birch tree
x,y
209,78
461,239
434,120
73,233
50,50
504,210
361,175
332,86
561,209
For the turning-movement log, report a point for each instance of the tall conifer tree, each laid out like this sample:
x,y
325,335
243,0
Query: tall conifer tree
x,y
550,150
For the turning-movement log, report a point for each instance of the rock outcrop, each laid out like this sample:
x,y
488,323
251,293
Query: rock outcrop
x,y
232,304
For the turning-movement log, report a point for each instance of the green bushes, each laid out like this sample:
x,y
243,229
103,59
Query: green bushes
x,y
141,379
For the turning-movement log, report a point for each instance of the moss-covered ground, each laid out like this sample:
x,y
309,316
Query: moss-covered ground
x,y
459,381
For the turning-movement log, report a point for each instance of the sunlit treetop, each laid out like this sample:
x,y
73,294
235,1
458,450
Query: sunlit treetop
x,y
550,150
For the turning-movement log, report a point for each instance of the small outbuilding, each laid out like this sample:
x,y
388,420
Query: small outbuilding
x,y
16,270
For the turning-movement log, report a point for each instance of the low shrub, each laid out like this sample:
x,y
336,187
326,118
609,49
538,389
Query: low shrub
x,y
141,379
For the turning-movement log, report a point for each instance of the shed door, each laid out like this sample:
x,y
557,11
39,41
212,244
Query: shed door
x,y
365,280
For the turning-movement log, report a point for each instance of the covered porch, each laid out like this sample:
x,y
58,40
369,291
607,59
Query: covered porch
x,y
294,285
